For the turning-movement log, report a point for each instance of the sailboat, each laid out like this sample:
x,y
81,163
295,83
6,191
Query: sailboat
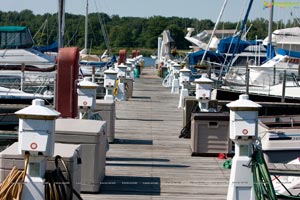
x,y
88,61
219,55
279,76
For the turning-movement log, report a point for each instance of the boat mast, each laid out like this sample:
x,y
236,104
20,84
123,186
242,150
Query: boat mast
x,y
86,26
242,30
269,47
61,23
213,32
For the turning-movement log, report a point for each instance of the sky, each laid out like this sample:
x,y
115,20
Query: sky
x,y
199,9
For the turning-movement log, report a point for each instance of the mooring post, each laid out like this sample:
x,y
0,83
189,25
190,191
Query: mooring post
x,y
247,79
283,86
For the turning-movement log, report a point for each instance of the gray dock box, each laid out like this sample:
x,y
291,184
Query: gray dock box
x,y
69,152
91,135
190,103
210,133
107,110
128,82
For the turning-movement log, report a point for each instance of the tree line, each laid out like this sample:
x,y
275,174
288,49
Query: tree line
x,y
123,32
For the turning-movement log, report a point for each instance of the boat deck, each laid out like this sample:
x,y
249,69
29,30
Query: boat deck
x,y
148,160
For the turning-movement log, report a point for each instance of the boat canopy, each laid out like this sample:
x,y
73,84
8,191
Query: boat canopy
x,y
290,53
48,48
15,37
196,57
99,64
227,45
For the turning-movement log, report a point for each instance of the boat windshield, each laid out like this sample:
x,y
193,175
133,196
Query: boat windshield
x,y
15,37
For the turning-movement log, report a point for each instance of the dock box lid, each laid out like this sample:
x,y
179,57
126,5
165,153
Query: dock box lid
x,y
104,105
80,127
66,151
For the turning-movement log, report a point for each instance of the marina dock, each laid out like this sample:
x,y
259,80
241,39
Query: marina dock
x,y
148,160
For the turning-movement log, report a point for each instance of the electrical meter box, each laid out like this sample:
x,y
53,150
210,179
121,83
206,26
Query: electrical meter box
x,y
243,118
242,127
110,77
37,129
122,71
185,75
87,93
176,68
203,88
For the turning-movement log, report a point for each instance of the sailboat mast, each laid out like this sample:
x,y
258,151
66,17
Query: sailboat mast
x,y
242,30
86,25
213,32
61,23
269,52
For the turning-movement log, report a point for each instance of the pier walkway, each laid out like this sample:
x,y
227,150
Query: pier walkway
x,y
148,160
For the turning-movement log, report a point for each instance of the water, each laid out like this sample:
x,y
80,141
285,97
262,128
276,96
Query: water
x,y
148,61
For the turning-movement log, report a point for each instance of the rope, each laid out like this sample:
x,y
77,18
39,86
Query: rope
x,y
12,186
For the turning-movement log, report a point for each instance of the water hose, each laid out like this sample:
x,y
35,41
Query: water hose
x,y
262,182
12,186
58,186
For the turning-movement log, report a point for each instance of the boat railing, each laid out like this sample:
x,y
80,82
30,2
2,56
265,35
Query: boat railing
x,y
266,83
34,83
39,84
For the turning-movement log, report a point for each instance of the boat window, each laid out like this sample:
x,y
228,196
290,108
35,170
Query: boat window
x,y
14,39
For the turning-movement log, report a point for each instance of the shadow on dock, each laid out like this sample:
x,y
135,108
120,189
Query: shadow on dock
x,y
137,142
137,159
147,165
140,97
146,120
130,185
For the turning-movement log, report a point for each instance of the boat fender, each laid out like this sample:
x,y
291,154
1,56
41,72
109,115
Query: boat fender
x,y
122,56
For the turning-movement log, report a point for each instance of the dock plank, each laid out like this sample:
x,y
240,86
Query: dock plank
x,y
148,160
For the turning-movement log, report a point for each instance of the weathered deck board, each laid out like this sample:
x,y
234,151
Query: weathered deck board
x,y
148,160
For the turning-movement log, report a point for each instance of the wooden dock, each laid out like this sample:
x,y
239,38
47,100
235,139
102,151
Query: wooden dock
x,y
148,160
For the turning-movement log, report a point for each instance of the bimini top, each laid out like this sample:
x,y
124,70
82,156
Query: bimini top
x,y
15,37
195,57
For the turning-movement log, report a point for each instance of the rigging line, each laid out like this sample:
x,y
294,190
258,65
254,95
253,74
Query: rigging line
x,y
93,33
41,27
75,34
213,33
43,32
103,29
239,35
230,45
295,18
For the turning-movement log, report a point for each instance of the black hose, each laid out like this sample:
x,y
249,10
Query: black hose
x,y
186,130
59,187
